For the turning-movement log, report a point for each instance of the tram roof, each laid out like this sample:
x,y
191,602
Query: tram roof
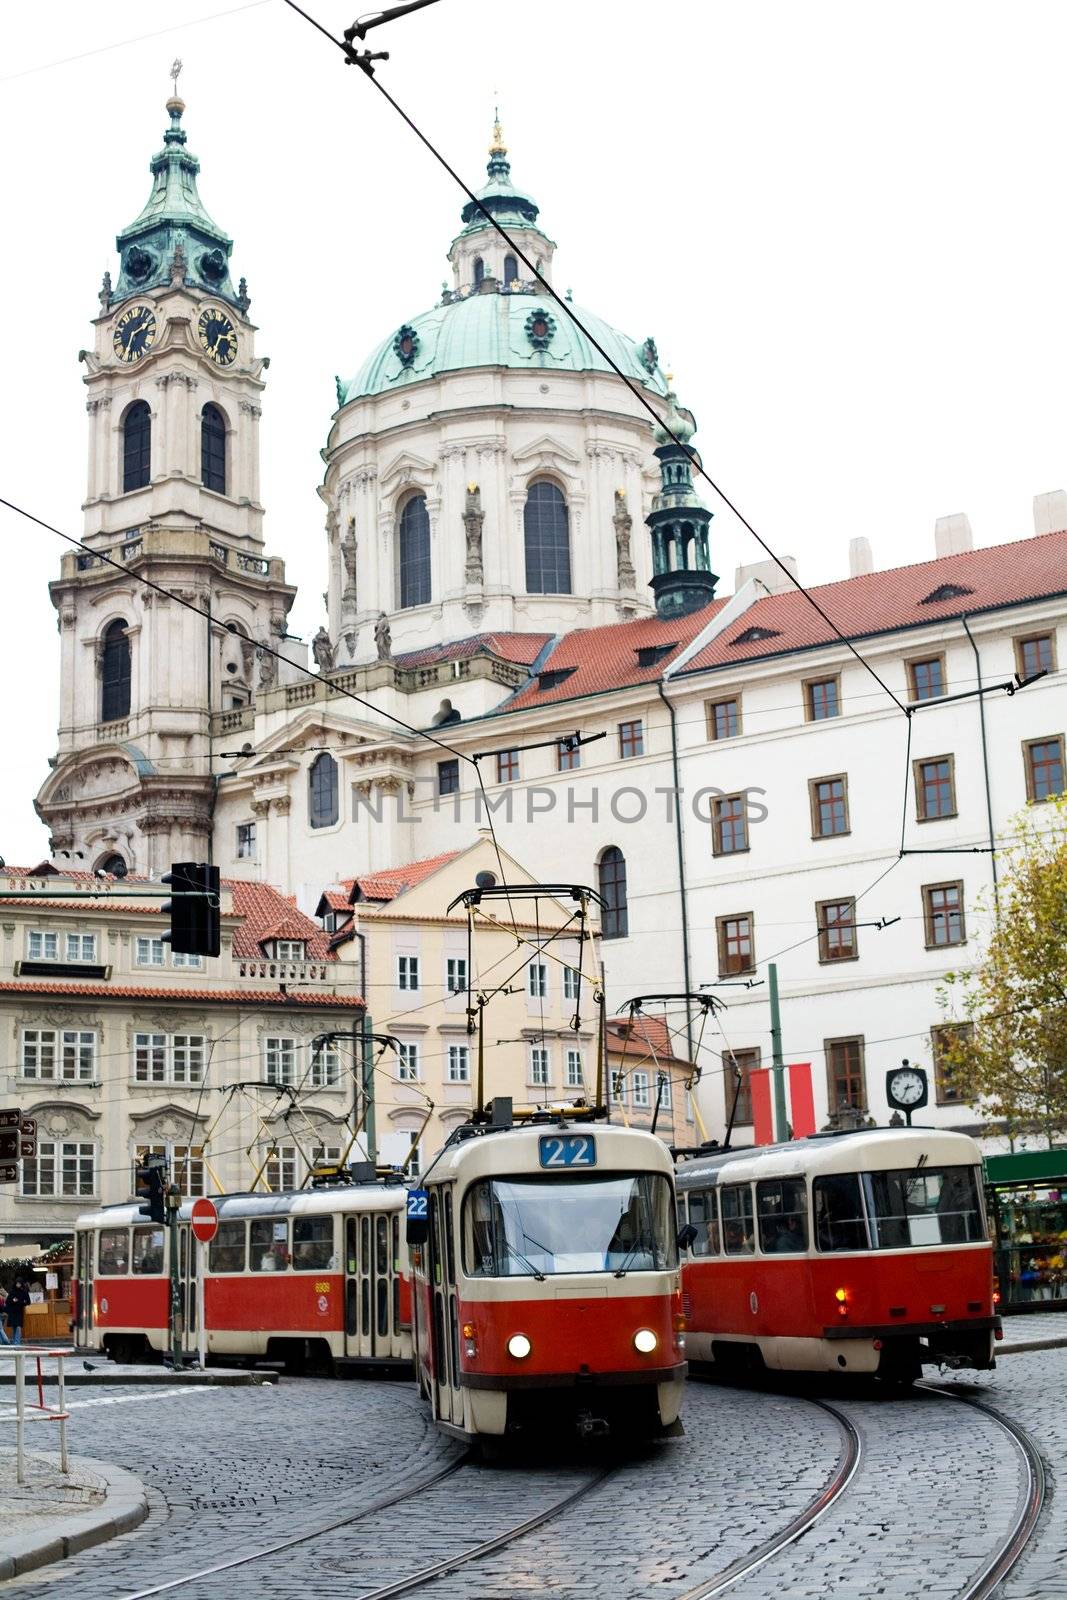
x,y
297,1202
514,1152
855,1150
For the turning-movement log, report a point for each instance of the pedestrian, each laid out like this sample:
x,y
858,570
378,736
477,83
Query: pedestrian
x,y
17,1301
3,1308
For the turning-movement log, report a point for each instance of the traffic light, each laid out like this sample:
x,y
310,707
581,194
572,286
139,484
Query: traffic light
x,y
151,1187
194,911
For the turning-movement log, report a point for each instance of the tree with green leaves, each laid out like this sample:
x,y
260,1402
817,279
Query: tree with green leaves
x,y
1008,1048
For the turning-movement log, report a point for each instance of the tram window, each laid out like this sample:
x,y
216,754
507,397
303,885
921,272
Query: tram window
x,y
396,1303
526,1226
395,1237
383,1307
704,1215
381,1245
226,1252
738,1228
313,1244
435,1236
268,1245
114,1252
914,1208
782,1209
364,1303
364,1246
147,1251
351,1244
839,1223
450,1244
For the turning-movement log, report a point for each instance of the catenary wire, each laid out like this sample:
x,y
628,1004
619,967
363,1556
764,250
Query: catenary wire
x,y
120,44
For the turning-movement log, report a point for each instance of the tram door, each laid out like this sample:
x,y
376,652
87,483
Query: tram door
x,y
448,1399
86,1252
369,1311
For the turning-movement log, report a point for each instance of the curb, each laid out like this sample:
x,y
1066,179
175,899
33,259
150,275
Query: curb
x,y
1019,1347
108,1375
125,1508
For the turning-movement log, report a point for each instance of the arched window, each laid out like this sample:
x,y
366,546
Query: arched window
x,y
479,271
213,449
136,447
511,269
548,541
413,555
115,865
115,673
614,919
322,791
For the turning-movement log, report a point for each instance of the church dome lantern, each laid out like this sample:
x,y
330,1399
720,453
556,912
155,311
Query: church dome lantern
x,y
682,579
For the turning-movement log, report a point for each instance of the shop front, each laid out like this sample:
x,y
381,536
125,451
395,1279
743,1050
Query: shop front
x,y
1027,1198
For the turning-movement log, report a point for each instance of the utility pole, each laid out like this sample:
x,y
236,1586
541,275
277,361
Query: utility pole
x,y
778,1064
174,1200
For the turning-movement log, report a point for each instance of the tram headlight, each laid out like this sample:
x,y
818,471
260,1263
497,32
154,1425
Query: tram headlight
x,y
470,1341
519,1346
645,1341
841,1296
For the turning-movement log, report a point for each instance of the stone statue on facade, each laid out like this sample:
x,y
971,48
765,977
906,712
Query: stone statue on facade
x,y
268,669
623,524
348,556
322,650
383,637
473,519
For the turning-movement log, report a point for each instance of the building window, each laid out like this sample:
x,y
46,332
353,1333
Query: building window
x,y
829,807
115,673
511,270
290,949
663,1091
935,789
573,1076
324,1070
943,1039
926,679
407,1069
736,953
639,1088
571,978
537,980
507,766
136,447
618,1088
1044,768
568,754
548,541
611,873
59,1054
168,1057
539,1065
213,449
1035,654
822,699
943,914
246,841
844,1072
479,272
729,825
448,777
724,719
279,1060
631,740
413,553
459,1063
60,1169
81,946
456,974
182,958
149,953
407,972
836,922
322,791
279,1174
42,946
744,1062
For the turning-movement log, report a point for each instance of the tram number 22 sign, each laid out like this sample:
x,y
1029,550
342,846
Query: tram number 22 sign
x,y
567,1150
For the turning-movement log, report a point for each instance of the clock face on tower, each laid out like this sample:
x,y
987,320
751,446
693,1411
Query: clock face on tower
x,y
135,333
218,336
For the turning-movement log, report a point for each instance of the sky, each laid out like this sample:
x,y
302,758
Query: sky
x,y
843,224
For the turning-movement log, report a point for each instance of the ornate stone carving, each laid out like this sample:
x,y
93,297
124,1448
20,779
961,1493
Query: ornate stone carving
x,y
105,292
649,355
282,805
540,328
473,520
383,637
348,556
322,650
406,346
268,669
261,808
248,652
623,524
243,298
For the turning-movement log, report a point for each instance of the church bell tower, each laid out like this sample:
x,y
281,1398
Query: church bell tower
x,y
148,687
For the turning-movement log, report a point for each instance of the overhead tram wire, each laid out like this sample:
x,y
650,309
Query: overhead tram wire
x,y
353,58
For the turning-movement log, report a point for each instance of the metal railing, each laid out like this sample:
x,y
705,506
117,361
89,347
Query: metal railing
x,y
25,1410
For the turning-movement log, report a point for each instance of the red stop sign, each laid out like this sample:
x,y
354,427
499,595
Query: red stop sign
x,y
205,1220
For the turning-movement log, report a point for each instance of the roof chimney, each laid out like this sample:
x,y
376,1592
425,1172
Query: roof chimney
x,y
1050,512
769,573
860,559
952,535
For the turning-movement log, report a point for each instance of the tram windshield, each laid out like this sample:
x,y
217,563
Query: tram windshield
x,y
899,1210
532,1227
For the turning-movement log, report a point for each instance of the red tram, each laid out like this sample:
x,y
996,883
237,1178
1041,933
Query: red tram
x,y
547,1287
316,1275
863,1252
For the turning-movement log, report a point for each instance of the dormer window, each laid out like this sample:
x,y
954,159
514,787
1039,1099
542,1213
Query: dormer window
x,y
755,635
649,654
946,591
290,949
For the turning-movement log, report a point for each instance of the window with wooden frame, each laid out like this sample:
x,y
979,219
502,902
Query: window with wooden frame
x,y
724,717
507,766
926,678
736,944
568,754
935,788
822,699
729,825
836,921
943,916
943,1040
1035,653
845,1078
631,739
829,806
743,1062
1044,767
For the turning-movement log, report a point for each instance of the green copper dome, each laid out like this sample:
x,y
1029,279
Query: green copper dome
x,y
498,328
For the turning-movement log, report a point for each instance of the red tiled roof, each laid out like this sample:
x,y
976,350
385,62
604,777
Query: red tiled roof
x,y
76,875
522,648
606,658
269,914
146,909
336,899
880,602
182,996
395,880
643,1038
